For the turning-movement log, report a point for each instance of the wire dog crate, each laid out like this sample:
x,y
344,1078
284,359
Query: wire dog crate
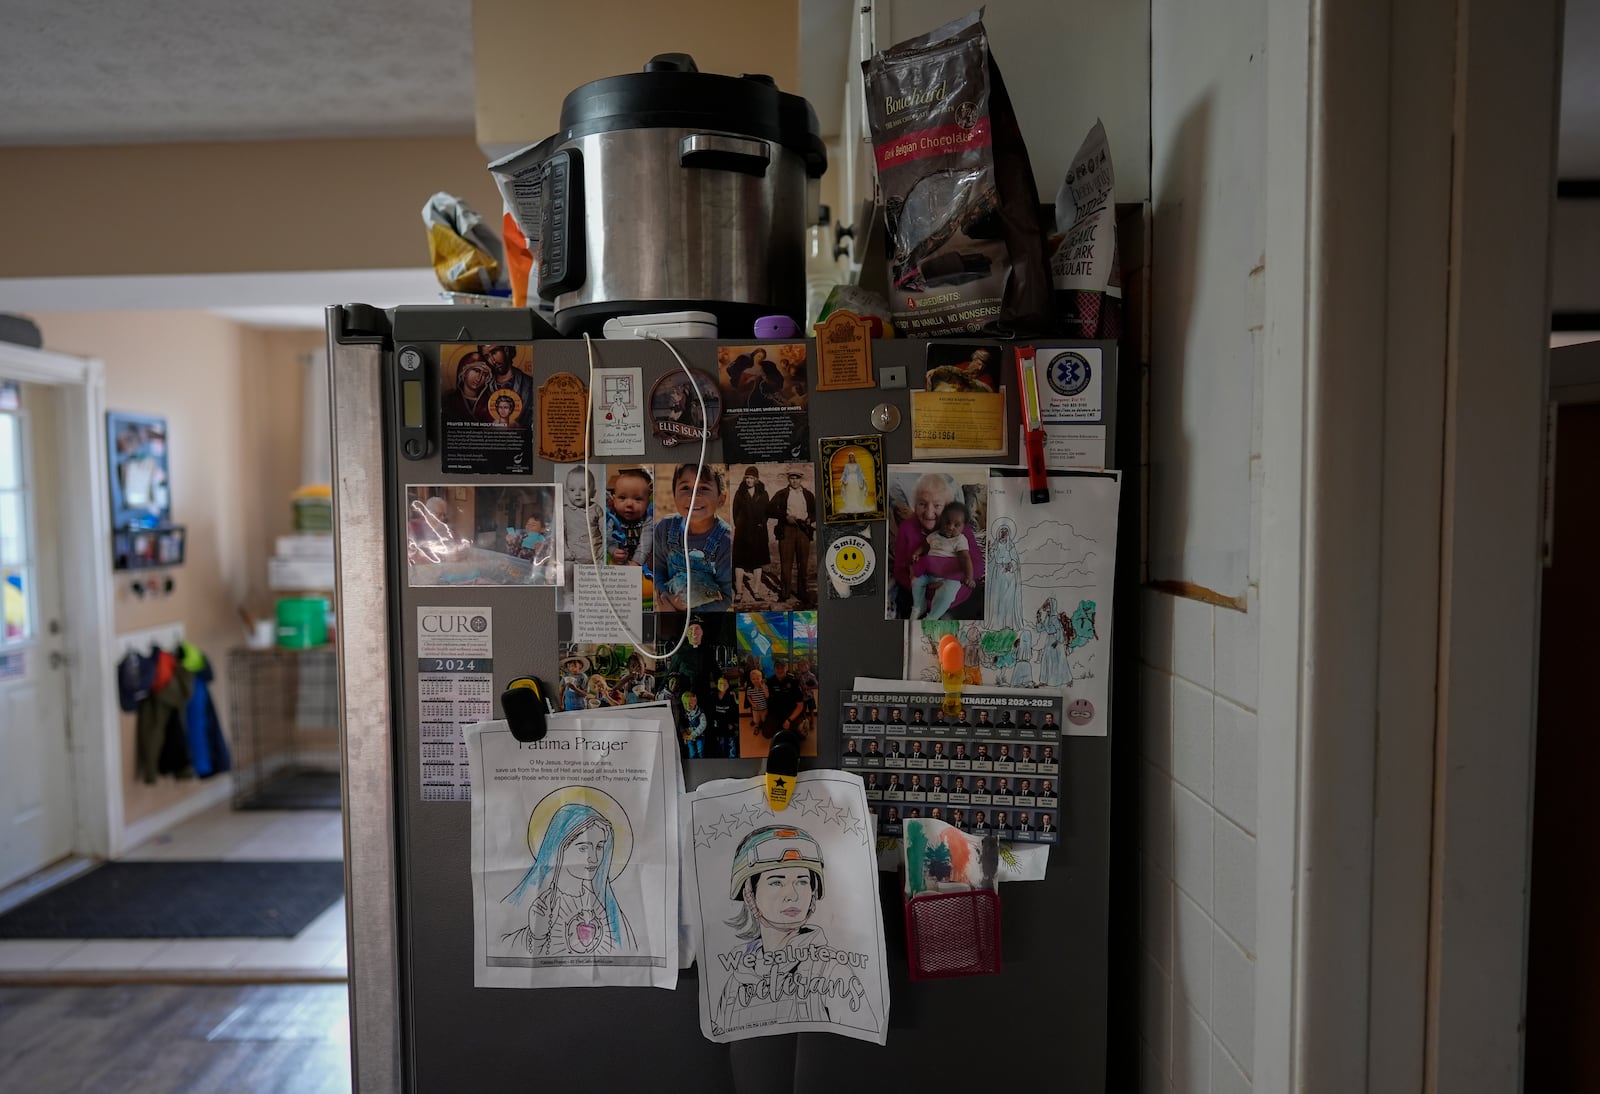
x,y
284,707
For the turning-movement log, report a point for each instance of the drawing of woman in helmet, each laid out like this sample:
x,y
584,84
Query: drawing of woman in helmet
x,y
786,972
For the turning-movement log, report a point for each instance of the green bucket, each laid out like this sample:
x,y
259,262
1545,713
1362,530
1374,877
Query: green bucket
x,y
302,622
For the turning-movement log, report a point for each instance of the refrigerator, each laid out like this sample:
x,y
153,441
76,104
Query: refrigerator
x,y
418,1023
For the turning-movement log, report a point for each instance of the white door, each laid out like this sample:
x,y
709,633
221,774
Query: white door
x,y
36,807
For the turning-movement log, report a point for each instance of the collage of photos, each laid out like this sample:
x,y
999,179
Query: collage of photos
x,y
483,535
751,542
733,680
993,770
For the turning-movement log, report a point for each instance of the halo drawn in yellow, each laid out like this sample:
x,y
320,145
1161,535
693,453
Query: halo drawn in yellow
x,y
600,802
503,393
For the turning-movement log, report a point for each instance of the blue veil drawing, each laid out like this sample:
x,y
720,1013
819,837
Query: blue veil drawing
x,y
557,823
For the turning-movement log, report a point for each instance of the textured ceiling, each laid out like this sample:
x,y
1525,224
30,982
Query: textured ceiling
x,y
145,70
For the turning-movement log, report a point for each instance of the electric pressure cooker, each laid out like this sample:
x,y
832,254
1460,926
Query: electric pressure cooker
x,y
677,190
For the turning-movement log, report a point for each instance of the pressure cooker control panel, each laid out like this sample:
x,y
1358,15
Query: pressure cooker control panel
x,y
561,259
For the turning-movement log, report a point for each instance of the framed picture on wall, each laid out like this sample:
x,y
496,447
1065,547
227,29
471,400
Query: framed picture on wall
x,y
141,491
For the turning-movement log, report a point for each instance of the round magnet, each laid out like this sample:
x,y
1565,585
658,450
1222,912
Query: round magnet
x,y
676,415
886,417
1080,712
850,560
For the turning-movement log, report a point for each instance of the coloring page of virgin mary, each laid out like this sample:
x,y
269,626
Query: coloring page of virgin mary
x,y
580,838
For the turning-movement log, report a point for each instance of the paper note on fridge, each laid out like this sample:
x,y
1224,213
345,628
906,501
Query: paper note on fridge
x,y
787,916
575,851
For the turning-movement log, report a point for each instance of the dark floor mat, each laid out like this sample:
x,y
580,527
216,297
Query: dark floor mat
x,y
182,900
299,790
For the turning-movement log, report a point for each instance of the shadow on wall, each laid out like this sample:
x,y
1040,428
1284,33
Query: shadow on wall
x,y
1176,242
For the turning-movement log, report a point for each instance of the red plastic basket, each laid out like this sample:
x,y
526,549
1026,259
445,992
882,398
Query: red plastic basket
x,y
953,934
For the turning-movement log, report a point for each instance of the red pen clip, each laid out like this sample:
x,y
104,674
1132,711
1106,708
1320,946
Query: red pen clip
x,y
1033,427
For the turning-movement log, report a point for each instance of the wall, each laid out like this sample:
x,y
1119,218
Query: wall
x,y
273,384
526,57
207,376
238,207
1574,242
1199,677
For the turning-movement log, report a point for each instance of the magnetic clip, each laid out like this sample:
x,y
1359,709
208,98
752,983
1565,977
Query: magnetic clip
x,y
952,673
525,707
783,766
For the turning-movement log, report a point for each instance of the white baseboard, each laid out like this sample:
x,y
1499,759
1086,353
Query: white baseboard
x,y
211,792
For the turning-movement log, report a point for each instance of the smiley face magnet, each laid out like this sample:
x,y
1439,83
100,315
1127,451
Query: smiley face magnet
x,y
851,561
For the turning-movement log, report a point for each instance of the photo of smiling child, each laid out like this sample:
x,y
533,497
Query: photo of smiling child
x,y
702,581
937,528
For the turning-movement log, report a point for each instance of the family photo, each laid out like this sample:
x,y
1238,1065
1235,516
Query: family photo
x,y
774,514
484,535
937,521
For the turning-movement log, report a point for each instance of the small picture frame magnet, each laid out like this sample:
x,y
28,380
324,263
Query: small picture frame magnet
x,y
563,406
844,353
677,416
852,479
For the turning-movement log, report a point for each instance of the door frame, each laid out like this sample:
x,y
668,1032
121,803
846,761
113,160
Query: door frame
x,y
1404,389
95,752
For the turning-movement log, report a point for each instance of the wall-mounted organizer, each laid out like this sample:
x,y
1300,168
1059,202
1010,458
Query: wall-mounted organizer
x,y
148,548
953,934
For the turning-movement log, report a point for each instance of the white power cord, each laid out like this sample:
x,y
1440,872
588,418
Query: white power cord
x,y
638,641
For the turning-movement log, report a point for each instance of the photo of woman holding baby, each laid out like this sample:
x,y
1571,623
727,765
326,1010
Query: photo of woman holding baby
x,y
937,526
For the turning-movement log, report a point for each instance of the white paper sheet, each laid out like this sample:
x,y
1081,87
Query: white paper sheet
x,y
1049,574
575,851
797,945
592,617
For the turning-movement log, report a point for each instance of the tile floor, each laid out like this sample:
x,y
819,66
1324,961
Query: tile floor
x,y
316,953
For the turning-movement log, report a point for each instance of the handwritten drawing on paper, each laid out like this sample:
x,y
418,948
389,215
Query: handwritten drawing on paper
x,y
1050,570
575,852
789,924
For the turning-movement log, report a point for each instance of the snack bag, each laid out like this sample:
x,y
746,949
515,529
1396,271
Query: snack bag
x,y
465,254
966,246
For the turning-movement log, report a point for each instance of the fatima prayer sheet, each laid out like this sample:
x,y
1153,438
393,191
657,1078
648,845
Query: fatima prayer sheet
x,y
575,851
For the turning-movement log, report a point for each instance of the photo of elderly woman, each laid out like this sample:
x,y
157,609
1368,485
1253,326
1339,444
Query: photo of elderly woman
x,y
937,538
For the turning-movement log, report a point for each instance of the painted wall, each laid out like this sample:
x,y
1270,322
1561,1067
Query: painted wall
x,y
526,57
238,207
1574,243
228,393
1200,670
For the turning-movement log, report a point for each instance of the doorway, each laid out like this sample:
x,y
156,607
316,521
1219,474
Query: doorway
x,y
58,790
36,797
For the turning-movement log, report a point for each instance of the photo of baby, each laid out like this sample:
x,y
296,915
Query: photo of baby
x,y
937,530
484,535
701,577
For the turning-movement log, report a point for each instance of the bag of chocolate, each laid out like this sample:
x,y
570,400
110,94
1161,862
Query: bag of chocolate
x,y
966,247
1084,267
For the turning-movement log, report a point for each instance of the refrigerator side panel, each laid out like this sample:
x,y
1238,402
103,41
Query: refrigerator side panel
x,y
366,756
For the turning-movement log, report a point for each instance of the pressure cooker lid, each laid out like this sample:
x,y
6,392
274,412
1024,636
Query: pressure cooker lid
x,y
672,92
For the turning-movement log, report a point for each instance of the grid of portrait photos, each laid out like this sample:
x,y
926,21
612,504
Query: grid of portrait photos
x,y
994,769
733,680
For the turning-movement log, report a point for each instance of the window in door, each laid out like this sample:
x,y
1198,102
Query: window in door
x,y
16,534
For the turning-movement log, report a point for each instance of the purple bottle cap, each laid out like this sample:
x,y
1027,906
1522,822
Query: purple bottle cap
x,y
776,326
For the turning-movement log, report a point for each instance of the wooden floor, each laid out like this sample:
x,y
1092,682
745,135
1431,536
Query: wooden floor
x,y
165,1039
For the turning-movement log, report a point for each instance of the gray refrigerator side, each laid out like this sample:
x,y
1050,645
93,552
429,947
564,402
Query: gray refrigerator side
x,y
419,1022
367,757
